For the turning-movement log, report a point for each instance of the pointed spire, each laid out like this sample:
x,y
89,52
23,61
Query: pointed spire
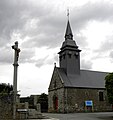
x,y
68,34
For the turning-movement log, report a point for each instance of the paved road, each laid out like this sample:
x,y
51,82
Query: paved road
x,y
82,116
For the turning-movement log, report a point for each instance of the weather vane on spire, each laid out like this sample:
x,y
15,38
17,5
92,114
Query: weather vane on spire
x,y
68,13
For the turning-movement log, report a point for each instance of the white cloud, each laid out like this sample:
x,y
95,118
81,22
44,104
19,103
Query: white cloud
x,y
86,64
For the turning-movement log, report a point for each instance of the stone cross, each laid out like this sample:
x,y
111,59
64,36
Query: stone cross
x,y
16,56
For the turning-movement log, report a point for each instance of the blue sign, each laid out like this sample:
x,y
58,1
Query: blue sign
x,y
89,103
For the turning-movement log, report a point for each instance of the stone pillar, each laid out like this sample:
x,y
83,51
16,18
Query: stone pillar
x,y
39,108
26,105
16,56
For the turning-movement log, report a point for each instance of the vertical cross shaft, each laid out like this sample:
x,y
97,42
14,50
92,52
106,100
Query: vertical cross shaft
x,y
68,13
16,55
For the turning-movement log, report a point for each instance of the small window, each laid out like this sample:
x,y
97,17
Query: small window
x,y
101,96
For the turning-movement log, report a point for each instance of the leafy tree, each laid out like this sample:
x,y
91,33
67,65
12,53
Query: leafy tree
x,y
43,100
109,87
5,88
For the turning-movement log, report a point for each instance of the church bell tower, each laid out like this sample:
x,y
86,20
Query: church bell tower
x,y
69,55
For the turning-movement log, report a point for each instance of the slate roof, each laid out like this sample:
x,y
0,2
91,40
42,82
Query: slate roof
x,y
86,79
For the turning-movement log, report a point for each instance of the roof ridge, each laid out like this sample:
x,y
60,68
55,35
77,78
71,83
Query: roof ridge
x,y
94,71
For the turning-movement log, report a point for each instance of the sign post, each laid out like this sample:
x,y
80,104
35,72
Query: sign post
x,y
89,104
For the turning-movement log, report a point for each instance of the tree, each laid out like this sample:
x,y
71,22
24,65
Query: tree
x,y
109,87
43,100
5,88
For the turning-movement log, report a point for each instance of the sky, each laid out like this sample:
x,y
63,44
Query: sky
x,y
39,27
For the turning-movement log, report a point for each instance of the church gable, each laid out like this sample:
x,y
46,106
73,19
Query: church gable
x,y
56,81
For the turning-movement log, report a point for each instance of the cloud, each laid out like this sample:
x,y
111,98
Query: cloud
x,y
86,64
100,11
26,55
40,25
105,49
81,40
41,62
111,56
16,14
6,55
10,19
107,44
49,59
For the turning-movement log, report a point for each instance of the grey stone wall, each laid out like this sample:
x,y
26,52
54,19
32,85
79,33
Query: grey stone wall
x,y
60,94
56,82
75,99
5,107
56,89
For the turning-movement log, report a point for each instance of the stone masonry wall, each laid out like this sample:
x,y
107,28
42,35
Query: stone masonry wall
x,y
75,99
5,107
56,89
60,94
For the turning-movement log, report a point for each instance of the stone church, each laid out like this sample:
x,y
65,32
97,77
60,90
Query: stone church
x,y
72,89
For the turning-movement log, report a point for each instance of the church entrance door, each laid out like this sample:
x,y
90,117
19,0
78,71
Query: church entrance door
x,y
56,103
